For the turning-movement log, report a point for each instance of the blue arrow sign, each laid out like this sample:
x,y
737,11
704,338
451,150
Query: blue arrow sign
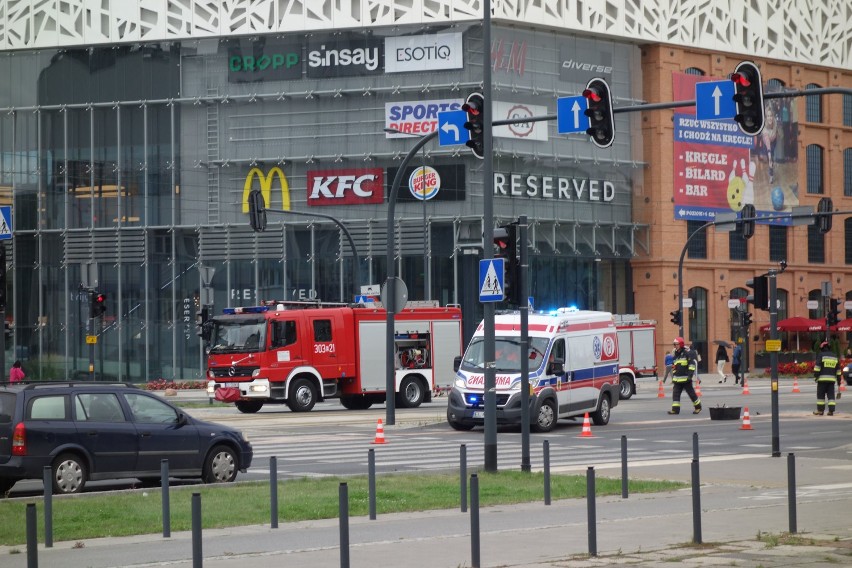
x,y
5,222
451,130
714,100
570,115
491,280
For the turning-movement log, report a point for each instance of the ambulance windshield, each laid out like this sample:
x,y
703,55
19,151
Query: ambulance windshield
x,y
507,354
238,336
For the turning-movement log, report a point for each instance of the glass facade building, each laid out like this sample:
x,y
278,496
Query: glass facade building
x,y
127,169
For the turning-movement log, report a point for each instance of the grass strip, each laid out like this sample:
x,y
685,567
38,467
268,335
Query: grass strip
x,y
139,511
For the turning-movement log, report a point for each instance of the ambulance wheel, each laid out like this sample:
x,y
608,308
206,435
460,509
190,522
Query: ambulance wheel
x,y
356,402
411,393
626,386
546,419
249,406
601,416
303,396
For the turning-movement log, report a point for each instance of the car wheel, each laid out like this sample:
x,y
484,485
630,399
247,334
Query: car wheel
x,y
411,393
546,418
69,474
249,406
356,402
6,485
626,387
601,416
220,466
303,396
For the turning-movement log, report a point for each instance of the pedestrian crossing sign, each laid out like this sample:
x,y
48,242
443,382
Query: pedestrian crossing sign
x,y
5,222
491,280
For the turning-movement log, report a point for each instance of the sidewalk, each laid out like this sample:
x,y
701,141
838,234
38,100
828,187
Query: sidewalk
x,y
642,530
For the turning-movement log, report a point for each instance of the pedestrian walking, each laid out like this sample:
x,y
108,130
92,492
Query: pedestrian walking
x,y
736,361
826,375
721,360
669,361
16,373
682,372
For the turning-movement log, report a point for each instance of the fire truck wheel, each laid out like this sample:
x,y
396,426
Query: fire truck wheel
x,y
303,396
626,386
601,415
249,406
220,465
546,419
411,393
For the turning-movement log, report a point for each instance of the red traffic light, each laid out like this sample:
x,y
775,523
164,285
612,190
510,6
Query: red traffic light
x,y
592,95
740,79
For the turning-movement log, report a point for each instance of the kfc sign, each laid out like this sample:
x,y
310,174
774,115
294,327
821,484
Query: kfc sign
x,y
346,187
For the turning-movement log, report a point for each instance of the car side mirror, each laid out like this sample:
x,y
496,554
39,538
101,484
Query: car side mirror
x,y
182,420
457,363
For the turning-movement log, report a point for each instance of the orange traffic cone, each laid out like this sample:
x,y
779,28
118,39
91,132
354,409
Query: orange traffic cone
x,y
587,428
660,392
698,389
380,433
745,387
796,384
842,385
746,420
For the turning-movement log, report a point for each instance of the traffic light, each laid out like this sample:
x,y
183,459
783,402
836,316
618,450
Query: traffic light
x,y
760,297
676,317
474,106
748,212
748,98
746,319
505,241
833,315
202,325
2,278
92,309
825,205
257,211
601,122
100,304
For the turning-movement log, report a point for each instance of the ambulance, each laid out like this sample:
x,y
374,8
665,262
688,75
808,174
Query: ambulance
x,y
573,369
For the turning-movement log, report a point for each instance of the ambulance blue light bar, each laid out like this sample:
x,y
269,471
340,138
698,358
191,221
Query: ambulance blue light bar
x,y
246,310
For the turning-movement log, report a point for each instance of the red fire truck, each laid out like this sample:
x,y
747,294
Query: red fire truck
x,y
637,344
299,353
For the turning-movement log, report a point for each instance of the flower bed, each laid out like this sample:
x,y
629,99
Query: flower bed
x,y
163,384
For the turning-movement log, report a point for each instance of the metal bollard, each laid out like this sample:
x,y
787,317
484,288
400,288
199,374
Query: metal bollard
x,y
273,492
474,521
591,511
371,481
343,498
624,467
791,491
48,506
695,446
32,536
463,477
696,504
164,485
197,557
546,456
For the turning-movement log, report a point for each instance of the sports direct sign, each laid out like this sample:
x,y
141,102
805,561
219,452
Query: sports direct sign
x,y
416,117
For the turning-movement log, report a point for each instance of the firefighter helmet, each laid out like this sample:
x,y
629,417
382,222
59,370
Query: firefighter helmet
x,y
679,342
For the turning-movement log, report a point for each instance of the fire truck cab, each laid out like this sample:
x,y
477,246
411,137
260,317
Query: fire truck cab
x,y
573,369
298,353
637,344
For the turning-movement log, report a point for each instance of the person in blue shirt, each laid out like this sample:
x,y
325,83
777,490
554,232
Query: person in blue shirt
x,y
669,361
736,359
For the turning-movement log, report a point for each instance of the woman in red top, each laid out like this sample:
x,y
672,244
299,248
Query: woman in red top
x,y
16,373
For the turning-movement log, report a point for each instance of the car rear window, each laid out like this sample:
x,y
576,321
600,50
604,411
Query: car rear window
x,y
7,406
49,407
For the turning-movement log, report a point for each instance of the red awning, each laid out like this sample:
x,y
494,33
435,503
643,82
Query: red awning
x,y
843,325
799,324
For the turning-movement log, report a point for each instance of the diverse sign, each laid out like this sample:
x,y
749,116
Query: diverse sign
x,y
344,55
416,117
431,52
443,183
346,187
719,169
265,181
523,130
582,60
553,187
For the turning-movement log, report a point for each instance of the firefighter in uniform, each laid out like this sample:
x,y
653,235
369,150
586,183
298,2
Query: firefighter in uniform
x,y
826,375
682,373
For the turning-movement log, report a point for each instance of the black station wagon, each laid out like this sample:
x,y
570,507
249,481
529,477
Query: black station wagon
x,y
91,431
